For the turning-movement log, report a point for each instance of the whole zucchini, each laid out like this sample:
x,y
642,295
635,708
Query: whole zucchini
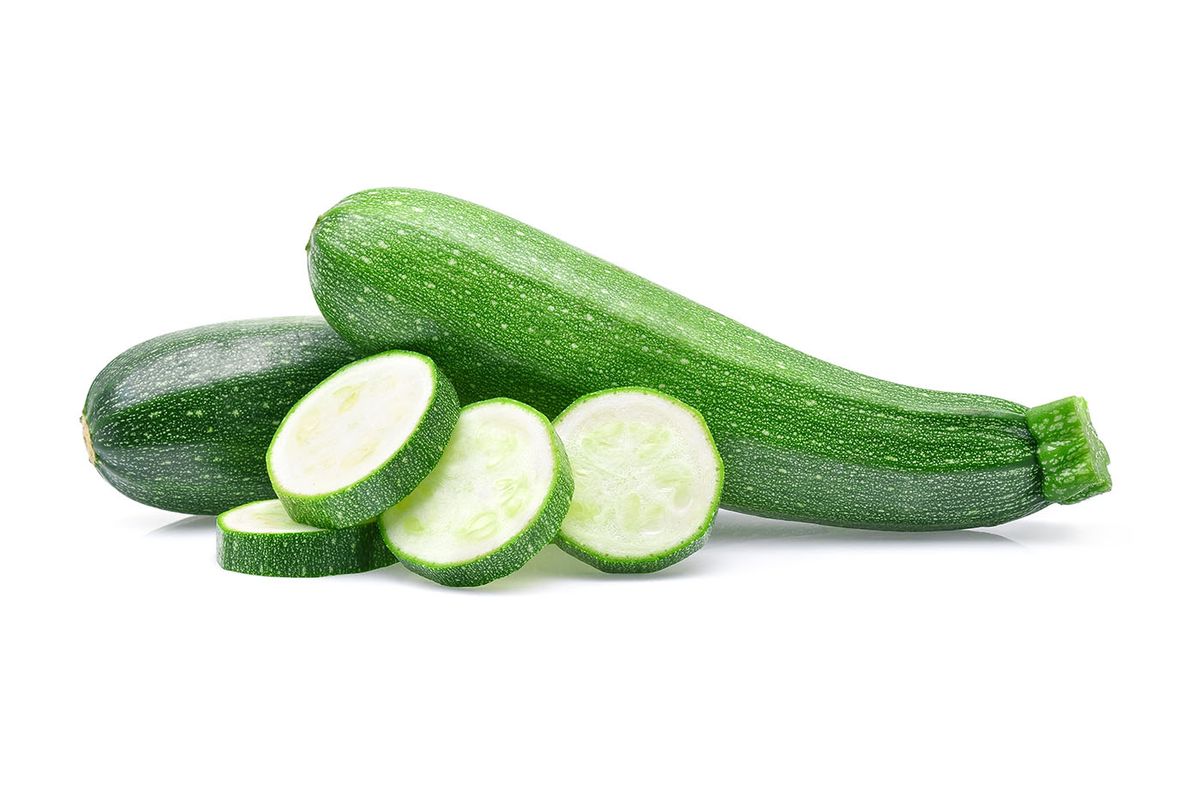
x,y
183,421
507,310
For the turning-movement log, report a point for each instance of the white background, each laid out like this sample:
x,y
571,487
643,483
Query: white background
x,y
991,197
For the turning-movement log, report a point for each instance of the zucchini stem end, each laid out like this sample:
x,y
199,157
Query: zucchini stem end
x,y
1073,458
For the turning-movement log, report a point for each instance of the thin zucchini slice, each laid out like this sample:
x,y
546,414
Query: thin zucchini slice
x,y
647,480
497,497
363,439
261,539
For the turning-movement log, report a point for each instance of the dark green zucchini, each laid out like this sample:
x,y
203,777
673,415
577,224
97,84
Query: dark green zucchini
x,y
183,421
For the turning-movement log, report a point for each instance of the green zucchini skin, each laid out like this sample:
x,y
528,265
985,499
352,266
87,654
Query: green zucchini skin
x,y
507,310
617,565
182,422
318,553
366,498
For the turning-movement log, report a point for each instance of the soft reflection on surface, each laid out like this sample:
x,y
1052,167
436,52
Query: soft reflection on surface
x,y
731,531
192,524
737,528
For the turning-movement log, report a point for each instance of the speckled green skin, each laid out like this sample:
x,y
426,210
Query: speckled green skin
x,y
395,478
640,565
516,552
508,310
182,422
337,551
653,562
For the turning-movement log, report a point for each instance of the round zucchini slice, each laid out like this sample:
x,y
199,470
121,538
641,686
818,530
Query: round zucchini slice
x,y
497,497
261,539
647,480
363,439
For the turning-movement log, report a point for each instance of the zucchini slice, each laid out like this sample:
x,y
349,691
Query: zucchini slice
x,y
363,439
261,539
497,497
647,480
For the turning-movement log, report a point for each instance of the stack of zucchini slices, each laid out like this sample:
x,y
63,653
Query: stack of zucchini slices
x,y
378,465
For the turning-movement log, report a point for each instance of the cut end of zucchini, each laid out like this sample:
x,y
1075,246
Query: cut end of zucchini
x,y
87,440
647,480
1073,458
496,498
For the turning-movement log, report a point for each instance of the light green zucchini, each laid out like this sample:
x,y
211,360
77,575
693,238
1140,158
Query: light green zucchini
x,y
508,310
496,498
183,421
261,539
647,480
362,439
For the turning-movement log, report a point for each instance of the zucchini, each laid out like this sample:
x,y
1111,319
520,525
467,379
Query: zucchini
x,y
497,497
361,440
507,310
261,539
647,480
182,421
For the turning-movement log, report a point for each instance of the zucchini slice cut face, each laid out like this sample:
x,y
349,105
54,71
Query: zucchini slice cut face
x,y
261,539
496,498
647,480
363,439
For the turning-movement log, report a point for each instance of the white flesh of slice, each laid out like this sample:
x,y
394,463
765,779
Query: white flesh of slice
x,y
264,517
351,424
645,474
488,486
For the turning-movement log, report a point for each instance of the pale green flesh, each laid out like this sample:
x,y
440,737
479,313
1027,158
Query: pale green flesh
x,y
263,517
489,485
647,476
362,440
351,424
